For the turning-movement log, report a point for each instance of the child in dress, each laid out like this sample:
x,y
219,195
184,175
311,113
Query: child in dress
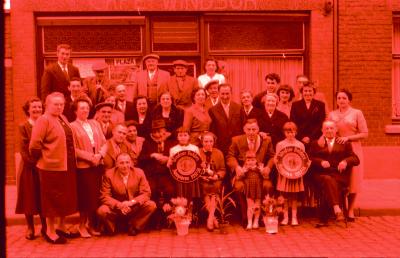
x,y
290,188
253,189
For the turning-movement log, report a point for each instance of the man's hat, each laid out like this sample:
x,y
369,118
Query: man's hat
x,y
180,62
98,66
103,104
150,56
208,84
157,124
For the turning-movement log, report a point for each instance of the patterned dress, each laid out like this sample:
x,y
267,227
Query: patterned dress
x,y
253,183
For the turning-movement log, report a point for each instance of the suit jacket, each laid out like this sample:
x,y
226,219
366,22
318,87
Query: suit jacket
x,y
237,151
53,79
142,77
48,143
182,97
68,111
113,190
108,132
257,100
84,149
223,127
130,110
339,152
308,121
273,125
209,104
255,113
109,153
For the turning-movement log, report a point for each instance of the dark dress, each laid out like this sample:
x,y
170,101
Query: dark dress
x,y
253,183
215,160
28,199
58,188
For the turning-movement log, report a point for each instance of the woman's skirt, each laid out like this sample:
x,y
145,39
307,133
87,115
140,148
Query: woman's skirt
x,y
89,183
58,193
28,199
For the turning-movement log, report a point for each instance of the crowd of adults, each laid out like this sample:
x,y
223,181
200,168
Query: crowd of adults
x,y
94,151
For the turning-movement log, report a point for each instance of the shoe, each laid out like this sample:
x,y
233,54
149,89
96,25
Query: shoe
x,y
133,232
67,234
295,222
58,241
321,224
30,234
351,219
255,224
94,232
84,233
339,216
249,226
285,221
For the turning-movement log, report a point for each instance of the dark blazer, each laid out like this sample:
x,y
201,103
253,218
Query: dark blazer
x,y
53,79
339,152
255,113
223,127
143,129
273,125
308,121
130,110
182,97
237,151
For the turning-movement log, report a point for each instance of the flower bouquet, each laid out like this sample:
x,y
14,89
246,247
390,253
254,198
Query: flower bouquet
x,y
272,208
181,215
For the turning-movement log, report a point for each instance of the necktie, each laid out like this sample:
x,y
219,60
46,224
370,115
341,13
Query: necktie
x,y
65,72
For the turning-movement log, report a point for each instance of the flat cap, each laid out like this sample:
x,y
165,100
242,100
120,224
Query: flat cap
x,y
157,124
103,104
150,56
180,62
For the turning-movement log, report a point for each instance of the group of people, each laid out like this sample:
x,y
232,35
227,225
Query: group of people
x,y
99,153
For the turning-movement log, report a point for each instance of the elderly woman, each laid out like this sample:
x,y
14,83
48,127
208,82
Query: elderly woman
x,y
52,145
286,95
167,111
211,180
352,127
271,120
308,114
28,199
88,139
196,118
211,68
142,116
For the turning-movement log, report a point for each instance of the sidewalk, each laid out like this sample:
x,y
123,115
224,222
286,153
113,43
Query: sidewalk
x,y
380,197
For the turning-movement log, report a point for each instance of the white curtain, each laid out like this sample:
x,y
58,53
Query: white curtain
x,y
249,72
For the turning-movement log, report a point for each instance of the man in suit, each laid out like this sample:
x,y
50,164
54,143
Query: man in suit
x,y
152,81
250,141
272,81
75,90
116,145
226,119
103,116
181,85
56,76
125,196
126,107
98,86
248,110
331,166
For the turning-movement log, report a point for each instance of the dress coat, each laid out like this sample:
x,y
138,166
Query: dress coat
x,y
142,79
255,113
53,79
109,152
308,121
97,95
273,125
28,199
225,127
182,96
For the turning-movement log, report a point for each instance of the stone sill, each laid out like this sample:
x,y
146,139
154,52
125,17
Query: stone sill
x,y
392,129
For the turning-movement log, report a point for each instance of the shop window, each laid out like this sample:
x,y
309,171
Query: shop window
x,y
175,34
396,68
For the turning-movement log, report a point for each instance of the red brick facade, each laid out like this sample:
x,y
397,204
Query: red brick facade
x,y
349,46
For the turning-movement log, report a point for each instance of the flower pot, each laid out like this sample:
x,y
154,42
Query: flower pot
x,y
271,224
182,227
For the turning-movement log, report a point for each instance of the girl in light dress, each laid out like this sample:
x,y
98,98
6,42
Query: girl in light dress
x,y
290,188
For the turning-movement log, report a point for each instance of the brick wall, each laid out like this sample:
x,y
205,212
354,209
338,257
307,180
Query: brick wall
x,y
365,62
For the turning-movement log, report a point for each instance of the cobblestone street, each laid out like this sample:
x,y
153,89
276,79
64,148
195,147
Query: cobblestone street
x,y
368,237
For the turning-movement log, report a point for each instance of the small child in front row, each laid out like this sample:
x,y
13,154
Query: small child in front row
x,y
290,188
253,189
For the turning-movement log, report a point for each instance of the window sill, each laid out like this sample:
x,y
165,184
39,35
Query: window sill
x,y
392,129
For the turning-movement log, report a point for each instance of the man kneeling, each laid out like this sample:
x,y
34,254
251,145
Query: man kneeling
x,y
125,197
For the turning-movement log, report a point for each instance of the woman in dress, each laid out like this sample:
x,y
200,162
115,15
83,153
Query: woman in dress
x,y
28,199
142,116
286,95
211,181
196,118
211,68
52,145
290,188
167,111
88,139
352,127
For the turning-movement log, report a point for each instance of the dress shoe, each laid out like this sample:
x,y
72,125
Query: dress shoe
x,y
133,232
67,234
84,233
249,226
285,221
255,224
340,216
94,232
59,240
321,224
30,235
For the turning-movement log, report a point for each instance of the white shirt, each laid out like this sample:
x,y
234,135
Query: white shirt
x,y
330,143
63,68
204,78
88,129
122,105
226,108
151,74
249,110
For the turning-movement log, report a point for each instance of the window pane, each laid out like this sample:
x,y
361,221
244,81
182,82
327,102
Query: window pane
x,y
101,38
396,36
251,35
396,87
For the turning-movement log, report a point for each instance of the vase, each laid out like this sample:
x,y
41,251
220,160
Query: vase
x,y
271,224
182,227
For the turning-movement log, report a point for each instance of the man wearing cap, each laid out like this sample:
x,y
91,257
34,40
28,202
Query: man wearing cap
x,y
181,85
151,81
99,85
272,81
56,76
213,94
153,160
103,116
